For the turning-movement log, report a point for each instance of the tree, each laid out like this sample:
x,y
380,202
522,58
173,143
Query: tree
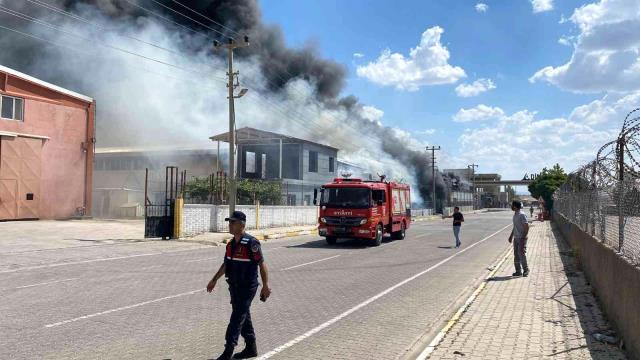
x,y
547,183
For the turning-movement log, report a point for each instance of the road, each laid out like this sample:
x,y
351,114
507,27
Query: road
x,y
147,300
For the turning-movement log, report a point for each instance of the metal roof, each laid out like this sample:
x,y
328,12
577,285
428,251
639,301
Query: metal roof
x,y
251,136
45,84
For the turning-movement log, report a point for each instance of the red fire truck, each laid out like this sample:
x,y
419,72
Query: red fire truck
x,y
353,208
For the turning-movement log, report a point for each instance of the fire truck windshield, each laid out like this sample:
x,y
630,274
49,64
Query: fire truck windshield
x,y
346,197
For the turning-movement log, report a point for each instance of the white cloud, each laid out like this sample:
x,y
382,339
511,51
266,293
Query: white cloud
x,y
542,5
372,114
606,52
478,113
427,64
476,88
358,55
481,7
611,109
521,143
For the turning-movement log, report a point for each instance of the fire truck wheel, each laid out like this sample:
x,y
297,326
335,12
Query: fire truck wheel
x,y
399,235
331,240
378,239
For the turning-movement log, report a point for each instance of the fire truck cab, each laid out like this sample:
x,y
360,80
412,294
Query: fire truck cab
x,y
353,208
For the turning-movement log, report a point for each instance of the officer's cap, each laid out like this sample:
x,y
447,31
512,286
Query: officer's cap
x,y
237,216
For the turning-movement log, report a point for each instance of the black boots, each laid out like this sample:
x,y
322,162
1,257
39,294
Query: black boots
x,y
250,350
226,355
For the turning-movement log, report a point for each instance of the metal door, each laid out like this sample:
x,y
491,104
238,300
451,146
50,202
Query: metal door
x,y
8,203
29,180
159,217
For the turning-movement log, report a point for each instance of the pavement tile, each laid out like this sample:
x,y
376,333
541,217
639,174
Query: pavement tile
x,y
548,314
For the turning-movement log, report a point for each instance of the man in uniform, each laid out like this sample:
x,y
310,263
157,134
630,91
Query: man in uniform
x,y
519,238
243,258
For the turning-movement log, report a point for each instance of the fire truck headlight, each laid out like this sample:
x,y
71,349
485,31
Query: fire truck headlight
x,y
323,220
363,221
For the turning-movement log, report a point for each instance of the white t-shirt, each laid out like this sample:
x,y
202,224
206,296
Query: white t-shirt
x,y
519,220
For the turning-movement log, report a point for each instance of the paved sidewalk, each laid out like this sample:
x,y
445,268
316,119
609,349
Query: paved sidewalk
x,y
551,313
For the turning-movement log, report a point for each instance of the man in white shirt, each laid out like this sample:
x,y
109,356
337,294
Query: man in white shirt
x,y
519,238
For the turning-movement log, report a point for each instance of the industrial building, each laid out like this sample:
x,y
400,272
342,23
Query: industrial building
x,y
47,141
300,164
120,175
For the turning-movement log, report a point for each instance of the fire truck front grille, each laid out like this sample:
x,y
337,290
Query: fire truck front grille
x,y
343,221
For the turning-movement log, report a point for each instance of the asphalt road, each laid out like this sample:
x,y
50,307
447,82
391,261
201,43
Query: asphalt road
x,y
147,300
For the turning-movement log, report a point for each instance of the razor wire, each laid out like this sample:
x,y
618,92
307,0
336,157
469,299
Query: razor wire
x,y
602,197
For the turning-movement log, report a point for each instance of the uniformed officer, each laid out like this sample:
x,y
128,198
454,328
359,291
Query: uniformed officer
x,y
242,259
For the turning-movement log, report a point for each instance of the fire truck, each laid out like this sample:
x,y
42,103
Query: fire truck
x,y
353,208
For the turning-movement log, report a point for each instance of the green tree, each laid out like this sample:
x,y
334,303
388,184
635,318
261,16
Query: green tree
x,y
547,182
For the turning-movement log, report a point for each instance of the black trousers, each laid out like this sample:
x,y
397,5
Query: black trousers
x,y
240,322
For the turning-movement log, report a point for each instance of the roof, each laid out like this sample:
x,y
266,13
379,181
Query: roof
x,y
45,84
250,136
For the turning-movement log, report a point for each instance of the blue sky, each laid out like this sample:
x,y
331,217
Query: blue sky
x,y
507,44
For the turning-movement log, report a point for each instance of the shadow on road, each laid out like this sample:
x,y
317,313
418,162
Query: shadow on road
x,y
346,244
502,278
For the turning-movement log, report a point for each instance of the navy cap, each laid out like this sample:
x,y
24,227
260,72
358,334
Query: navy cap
x,y
237,216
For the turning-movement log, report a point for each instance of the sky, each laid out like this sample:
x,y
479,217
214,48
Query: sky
x,y
513,86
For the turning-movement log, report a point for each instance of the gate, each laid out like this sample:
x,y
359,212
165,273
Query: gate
x,y
159,213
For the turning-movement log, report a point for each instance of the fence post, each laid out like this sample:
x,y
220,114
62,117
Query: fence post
x,y
177,217
620,193
257,214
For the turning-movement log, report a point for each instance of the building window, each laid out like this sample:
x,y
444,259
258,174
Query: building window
x,y
250,162
11,108
331,165
313,161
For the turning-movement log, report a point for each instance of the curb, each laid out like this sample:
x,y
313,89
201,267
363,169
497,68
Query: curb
x,y
265,237
426,353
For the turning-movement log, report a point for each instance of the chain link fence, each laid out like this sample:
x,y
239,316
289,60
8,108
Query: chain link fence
x,y
603,196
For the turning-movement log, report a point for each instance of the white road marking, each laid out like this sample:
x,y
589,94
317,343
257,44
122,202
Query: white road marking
x,y
205,259
46,283
369,301
309,263
91,261
122,308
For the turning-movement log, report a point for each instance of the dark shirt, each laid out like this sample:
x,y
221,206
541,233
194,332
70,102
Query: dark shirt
x,y
457,219
241,261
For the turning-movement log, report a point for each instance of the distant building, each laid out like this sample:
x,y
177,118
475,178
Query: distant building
x,y
47,136
300,164
120,175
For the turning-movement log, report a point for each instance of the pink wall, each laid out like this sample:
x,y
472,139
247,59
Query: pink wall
x,y
66,167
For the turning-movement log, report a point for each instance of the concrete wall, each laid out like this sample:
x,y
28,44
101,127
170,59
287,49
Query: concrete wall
x,y
197,219
616,282
67,156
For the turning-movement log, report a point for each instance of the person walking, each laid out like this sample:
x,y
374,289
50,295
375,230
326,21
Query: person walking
x,y
519,238
458,219
243,257
531,211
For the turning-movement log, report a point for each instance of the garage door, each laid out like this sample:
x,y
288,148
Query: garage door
x,y
20,170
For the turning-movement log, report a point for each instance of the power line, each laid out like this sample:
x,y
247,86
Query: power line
x,y
46,24
204,16
266,68
79,18
95,55
190,18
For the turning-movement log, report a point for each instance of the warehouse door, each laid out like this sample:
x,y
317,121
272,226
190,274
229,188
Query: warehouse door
x,y
20,172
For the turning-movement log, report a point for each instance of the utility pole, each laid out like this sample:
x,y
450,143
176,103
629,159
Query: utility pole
x,y
230,45
433,173
473,182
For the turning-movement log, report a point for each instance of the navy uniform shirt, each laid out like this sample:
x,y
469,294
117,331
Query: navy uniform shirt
x,y
241,261
458,218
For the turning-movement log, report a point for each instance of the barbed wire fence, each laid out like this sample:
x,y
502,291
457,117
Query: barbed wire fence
x,y
603,196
